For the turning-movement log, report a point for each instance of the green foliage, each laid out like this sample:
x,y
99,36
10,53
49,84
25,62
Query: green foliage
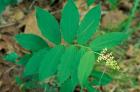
x,y
65,65
10,1
113,3
85,67
72,80
91,89
30,42
52,1
18,80
131,16
108,40
23,60
100,78
50,62
4,3
2,6
67,86
34,61
70,28
48,25
68,61
11,57
89,2
89,25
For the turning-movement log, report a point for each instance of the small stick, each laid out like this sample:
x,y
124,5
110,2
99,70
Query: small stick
x,y
33,2
7,25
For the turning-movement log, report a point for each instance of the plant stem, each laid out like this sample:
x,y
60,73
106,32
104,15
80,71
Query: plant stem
x,y
132,14
88,48
102,76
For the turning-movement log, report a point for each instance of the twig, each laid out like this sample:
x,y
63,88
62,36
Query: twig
x,y
132,14
33,2
101,78
10,69
7,25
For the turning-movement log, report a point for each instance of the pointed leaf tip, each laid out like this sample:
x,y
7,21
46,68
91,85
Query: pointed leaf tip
x,y
69,21
48,25
89,25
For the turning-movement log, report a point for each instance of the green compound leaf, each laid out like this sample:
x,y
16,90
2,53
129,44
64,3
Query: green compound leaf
x,y
11,57
90,2
74,75
68,61
85,67
50,63
48,25
108,40
91,89
100,78
24,60
89,25
31,42
32,67
71,83
68,86
69,21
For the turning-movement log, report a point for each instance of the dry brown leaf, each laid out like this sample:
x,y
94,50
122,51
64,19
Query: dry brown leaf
x,y
31,25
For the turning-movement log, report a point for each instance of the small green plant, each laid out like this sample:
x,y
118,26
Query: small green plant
x,y
66,65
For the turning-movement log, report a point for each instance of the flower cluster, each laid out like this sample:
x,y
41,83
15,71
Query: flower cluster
x,y
109,58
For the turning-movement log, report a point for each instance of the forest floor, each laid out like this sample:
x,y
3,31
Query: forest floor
x,y
20,19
